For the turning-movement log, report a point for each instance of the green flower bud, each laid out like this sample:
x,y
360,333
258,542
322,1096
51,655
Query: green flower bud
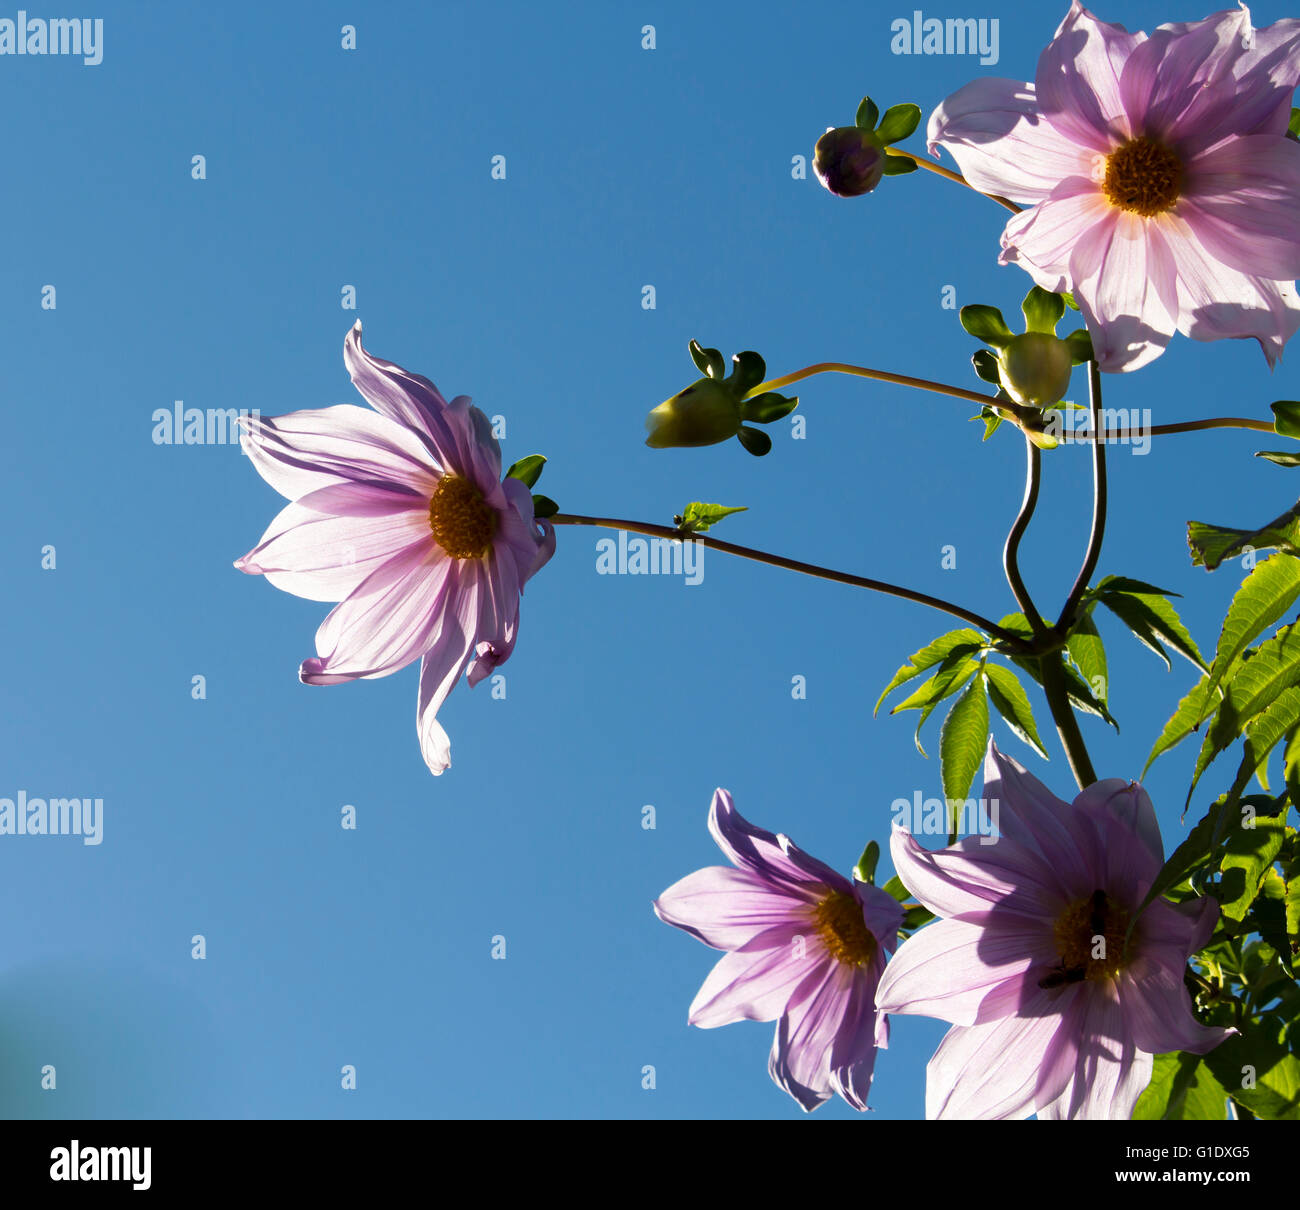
x,y
1034,369
705,413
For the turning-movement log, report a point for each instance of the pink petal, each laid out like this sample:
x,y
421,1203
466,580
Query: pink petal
x,y
1158,1013
390,619
728,908
1001,142
1129,836
1240,201
304,451
1126,284
1040,240
853,1052
322,546
1109,1072
444,662
1078,80
1166,934
750,987
800,1060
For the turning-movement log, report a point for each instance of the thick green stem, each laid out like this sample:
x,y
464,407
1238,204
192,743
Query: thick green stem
x,y
1051,668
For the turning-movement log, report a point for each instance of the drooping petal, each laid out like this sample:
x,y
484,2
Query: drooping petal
x,y
325,544
388,621
444,663
1126,284
800,1061
728,908
1158,1013
853,1051
1078,79
458,436
303,451
881,912
751,986
1240,201
532,549
1002,144
773,857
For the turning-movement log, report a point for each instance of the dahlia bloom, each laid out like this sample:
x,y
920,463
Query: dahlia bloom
x,y
400,514
1052,1013
1163,188
806,948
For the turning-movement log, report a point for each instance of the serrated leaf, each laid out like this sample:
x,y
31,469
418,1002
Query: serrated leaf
x,y
1085,648
1281,457
1212,544
1292,908
991,421
1264,596
1252,851
898,123
698,516
1126,584
755,441
951,675
1155,623
963,742
868,115
931,654
1274,1073
527,470
985,323
1079,691
767,407
1012,702
1043,310
1187,718
1262,736
707,361
865,870
1182,1088
899,165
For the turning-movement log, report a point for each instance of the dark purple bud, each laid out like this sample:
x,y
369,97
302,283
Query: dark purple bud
x,y
848,161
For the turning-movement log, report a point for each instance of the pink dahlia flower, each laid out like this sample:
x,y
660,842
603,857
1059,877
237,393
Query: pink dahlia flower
x,y
1164,190
1052,1012
806,949
399,514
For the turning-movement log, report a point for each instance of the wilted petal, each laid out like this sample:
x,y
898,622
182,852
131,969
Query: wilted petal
x,y
444,663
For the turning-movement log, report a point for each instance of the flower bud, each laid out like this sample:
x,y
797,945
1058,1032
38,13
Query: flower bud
x,y
1034,369
849,161
705,413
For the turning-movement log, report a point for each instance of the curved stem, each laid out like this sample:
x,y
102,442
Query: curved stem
x,y
1093,553
1184,426
840,367
1011,552
949,175
811,569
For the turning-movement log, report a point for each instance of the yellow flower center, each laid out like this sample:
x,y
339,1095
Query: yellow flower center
x,y
1143,176
1089,936
463,523
840,924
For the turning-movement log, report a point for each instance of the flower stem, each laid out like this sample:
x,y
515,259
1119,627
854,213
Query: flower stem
x,y
1071,607
1183,426
1052,669
1011,552
839,367
812,569
949,175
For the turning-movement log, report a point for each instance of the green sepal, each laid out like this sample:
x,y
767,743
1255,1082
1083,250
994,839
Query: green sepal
x,y
1068,299
985,323
1080,345
986,366
898,123
697,516
1280,457
544,506
1293,126
1286,417
898,165
749,369
527,470
865,870
868,115
767,407
1043,310
755,441
708,361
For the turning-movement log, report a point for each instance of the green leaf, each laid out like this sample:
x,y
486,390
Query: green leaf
x,y
963,741
1127,584
986,324
865,870
915,917
986,366
991,421
696,517
1262,736
1085,649
1182,1088
769,406
1293,127
1252,851
707,361
748,370
952,674
1201,845
1154,621
1292,908
1080,345
755,441
1259,1073
1264,596
1187,718
934,652
868,115
1012,702
896,888
898,123
1286,417
527,470
1212,544
899,165
1077,689
1281,457
544,506
1043,310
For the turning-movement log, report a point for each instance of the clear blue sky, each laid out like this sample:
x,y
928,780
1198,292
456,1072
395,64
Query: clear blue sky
x,y
372,168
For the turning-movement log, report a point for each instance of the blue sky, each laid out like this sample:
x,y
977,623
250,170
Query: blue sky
x,y
625,167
